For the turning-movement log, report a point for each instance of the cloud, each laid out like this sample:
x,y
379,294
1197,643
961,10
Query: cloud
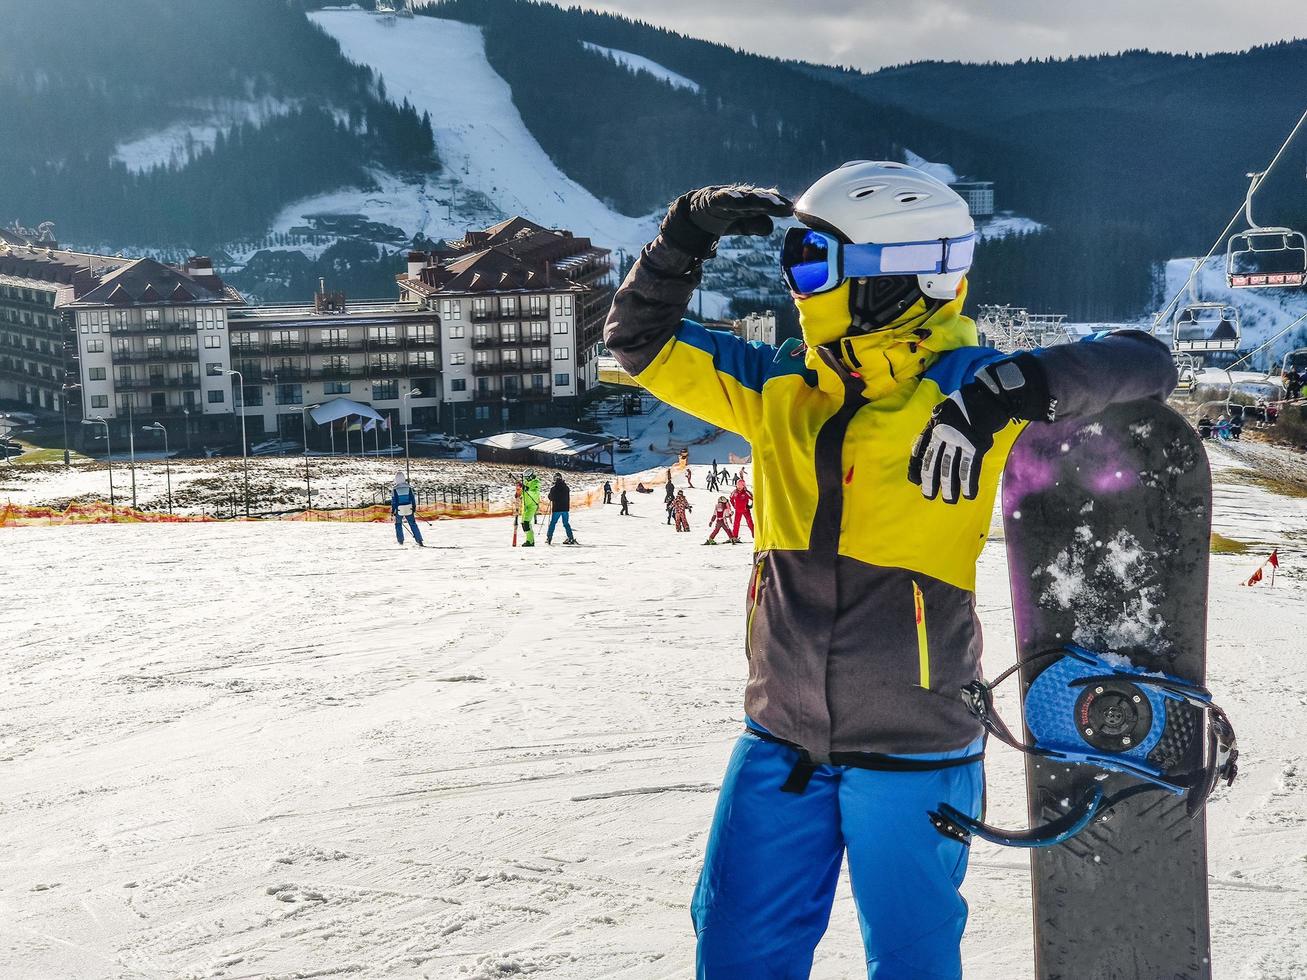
x,y
871,34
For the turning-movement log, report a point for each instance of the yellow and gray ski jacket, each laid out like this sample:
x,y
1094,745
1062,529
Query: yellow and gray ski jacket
x,y
860,614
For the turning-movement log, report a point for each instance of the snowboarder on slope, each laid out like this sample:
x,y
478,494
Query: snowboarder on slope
x,y
403,506
608,492
861,625
720,515
626,504
530,506
560,501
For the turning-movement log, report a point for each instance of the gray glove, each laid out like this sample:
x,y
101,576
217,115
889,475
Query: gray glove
x,y
696,220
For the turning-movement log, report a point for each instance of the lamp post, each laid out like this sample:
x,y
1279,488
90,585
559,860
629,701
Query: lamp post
x,y
308,487
402,399
99,420
131,445
167,464
245,459
63,404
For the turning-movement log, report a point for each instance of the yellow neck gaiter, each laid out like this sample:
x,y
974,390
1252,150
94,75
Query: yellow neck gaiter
x,y
886,358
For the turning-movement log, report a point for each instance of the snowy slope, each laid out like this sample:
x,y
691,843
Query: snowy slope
x,y
175,144
339,758
639,63
440,67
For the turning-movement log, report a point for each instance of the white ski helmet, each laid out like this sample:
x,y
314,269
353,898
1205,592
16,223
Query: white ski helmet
x,y
885,203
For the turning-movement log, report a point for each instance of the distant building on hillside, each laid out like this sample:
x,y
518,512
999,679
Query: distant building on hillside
x,y
979,195
38,281
523,308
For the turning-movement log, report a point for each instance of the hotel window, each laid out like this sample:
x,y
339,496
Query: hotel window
x,y
457,357
562,380
560,327
560,353
96,374
152,318
385,391
562,306
508,305
458,384
213,369
456,333
452,309
99,401
212,341
216,398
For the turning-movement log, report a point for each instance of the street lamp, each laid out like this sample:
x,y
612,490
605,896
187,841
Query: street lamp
x,y
245,459
131,445
63,404
308,487
158,427
403,398
99,420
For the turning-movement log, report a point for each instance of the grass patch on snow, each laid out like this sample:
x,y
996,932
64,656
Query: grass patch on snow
x,y
1275,484
1221,545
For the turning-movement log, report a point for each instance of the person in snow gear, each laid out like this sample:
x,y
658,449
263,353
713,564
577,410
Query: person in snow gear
x,y
530,506
689,478
680,507
404,507
720,515
626,504
560,501
669,498
608,492
711,483
860,628
742,504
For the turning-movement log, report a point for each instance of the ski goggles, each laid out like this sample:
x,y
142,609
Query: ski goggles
x,y
816,262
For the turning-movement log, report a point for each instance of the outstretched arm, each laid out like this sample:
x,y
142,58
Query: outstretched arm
x,y
1066,381
708,373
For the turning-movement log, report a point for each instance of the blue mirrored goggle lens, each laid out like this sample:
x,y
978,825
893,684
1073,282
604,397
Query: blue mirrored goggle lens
x,y
809,260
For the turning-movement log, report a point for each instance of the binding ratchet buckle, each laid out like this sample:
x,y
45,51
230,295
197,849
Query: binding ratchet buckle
x,y
1100,710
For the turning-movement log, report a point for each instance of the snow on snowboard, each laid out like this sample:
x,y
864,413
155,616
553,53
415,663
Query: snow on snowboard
x,y
1107,521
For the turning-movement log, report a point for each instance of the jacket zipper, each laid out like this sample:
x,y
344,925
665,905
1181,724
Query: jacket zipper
x,y
755,597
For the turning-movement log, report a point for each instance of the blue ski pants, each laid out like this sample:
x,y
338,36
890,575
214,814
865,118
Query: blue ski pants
x,y
412,524
553,523
773,860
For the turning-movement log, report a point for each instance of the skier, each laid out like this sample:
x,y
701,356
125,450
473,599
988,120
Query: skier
x,y
720,515
711,483
861,626
689,478
680,507
669,498
403,506
530,506
560,501
742,503
608,492
626,504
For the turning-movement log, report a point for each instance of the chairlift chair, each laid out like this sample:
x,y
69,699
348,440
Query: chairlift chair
x,y
1264,256
1295,360
1201,327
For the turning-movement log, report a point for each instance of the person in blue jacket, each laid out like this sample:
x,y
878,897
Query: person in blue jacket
x,y
404,504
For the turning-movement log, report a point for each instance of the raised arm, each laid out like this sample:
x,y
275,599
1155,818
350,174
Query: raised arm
x,y
710,374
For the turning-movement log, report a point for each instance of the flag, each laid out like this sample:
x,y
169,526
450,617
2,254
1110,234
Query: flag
x,y
1275,558
1257,577
372,424
385,423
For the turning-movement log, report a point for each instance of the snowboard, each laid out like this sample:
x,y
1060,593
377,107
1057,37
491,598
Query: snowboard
x,y
1107,522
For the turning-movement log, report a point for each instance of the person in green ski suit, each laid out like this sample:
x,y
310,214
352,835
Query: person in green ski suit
x,y
530,504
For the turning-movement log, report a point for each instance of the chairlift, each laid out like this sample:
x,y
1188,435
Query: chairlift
x,y
1265,256
1295,360
1206,327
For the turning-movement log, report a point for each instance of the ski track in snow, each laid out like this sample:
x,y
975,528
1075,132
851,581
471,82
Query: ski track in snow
x,y
479,135
280,750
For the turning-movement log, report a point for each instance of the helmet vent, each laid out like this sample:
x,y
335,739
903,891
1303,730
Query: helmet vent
x,y
910,197
861,193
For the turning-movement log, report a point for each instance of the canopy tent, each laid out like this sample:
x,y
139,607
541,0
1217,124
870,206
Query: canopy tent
x,y
339,408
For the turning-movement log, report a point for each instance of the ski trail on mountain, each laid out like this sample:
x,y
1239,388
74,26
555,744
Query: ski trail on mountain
x,y
440,66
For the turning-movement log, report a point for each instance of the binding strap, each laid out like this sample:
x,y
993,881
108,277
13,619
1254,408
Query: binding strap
x,y
807,763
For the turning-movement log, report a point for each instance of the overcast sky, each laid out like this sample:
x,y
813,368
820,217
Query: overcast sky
x,y
871,34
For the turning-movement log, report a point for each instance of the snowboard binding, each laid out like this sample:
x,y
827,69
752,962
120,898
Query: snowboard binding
x,y
1100,710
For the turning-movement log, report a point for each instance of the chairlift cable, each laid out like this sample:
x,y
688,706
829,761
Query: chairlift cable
x,y
1223,237
1272,340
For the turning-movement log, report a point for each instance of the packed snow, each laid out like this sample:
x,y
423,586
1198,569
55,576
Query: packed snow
x,y
1005,224
275,749
479,135
636,63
